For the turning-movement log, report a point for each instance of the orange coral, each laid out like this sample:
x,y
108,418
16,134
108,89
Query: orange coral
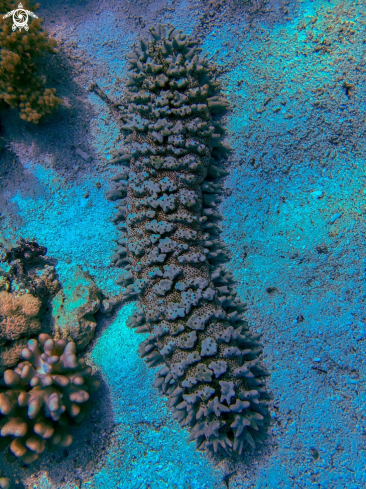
x,y
18,315
27,284
18,319
20,86
9,355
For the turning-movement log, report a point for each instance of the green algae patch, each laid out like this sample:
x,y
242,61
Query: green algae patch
x,y
74,307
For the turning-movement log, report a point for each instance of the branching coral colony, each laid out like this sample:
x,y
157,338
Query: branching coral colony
x,y
42,396
20,86
171,251
49,387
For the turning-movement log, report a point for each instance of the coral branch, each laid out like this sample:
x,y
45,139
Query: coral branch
x,y
113,107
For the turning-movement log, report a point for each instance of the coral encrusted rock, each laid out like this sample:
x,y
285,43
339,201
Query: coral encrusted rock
x,y
27,282
19,319
74,307
42,396
169,191
20,85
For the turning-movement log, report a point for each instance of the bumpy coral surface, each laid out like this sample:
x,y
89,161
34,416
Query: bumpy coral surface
x,y
26,284
74,308
171,251
20,86
42,396
19,319
26,269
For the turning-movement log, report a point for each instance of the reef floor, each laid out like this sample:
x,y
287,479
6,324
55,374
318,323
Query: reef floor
x,y
294,220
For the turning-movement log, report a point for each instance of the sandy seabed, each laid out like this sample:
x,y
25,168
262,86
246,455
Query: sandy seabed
x,y
294,220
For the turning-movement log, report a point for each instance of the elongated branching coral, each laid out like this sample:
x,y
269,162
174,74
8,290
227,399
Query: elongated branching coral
x,y
20,86
171,251
42,396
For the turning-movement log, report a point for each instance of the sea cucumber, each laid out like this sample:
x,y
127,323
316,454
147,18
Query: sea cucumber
x,y
170,247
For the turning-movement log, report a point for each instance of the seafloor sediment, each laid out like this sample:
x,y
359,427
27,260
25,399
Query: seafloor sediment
x,y
294,220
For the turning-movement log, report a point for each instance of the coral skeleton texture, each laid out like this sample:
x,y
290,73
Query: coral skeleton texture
x,y
18,319
170,246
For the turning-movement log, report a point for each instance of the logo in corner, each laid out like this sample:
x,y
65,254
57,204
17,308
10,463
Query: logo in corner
x,y
20,18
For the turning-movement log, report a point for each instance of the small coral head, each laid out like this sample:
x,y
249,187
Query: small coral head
x,y
43,394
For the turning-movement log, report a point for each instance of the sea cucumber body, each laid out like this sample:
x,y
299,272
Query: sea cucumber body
x,y
171,251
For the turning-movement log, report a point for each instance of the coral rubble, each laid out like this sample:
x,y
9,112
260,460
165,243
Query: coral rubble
x,y
20,85
42,396
170,247
27,282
